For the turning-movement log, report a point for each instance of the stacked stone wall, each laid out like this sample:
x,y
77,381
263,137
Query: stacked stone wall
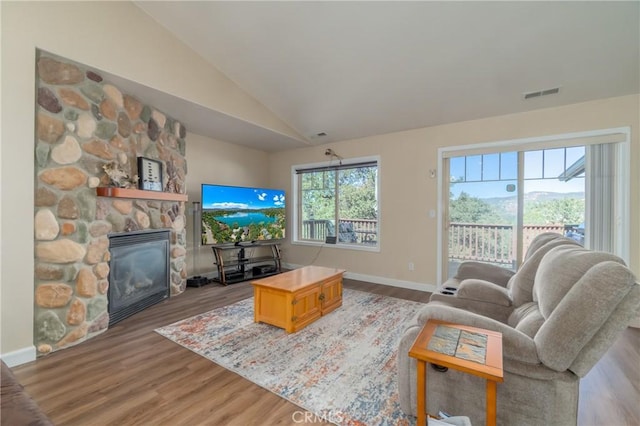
x,y
82,123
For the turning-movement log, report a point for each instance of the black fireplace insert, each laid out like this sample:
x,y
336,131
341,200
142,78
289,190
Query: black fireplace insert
x,y
139,272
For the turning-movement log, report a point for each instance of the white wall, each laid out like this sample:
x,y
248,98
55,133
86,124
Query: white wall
x,y
408,234
115,37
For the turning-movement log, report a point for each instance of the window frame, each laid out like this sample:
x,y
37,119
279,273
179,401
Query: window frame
x,y
296,205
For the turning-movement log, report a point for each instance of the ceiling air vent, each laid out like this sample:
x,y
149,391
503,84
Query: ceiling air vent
x,y
541,93
318,135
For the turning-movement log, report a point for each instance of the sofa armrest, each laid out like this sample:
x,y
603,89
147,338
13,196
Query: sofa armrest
x,y
484,291
17,407
407,369
516,345
480,297
484,271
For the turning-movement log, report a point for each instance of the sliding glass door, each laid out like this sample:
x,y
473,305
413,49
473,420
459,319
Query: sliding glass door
x,y
496,197
499,201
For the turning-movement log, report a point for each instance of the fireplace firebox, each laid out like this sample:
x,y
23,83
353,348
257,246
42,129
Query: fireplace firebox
x,y
139,272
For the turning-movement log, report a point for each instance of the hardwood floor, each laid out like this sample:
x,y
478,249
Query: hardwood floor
x,y
130,375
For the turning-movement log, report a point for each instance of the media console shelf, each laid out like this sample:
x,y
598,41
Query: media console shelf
x,y
238,263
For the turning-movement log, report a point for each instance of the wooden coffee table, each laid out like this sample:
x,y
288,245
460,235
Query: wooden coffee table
x,y
294,299
491,369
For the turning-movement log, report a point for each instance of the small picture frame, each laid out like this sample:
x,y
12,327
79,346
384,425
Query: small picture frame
x,y
149,174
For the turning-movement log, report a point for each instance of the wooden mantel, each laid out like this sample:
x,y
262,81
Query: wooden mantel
x,y
139,193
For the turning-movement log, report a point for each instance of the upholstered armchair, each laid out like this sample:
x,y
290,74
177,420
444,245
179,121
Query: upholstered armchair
x,y
579,303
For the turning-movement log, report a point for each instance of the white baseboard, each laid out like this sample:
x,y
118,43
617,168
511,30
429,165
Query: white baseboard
x,y
412,285
21,356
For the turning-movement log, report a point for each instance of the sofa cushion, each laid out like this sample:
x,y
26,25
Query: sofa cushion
x,y
484,291
539,241
591,305
526,318
521,284
560,269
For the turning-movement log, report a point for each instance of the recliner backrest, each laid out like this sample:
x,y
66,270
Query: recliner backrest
x,y
521,284
584,298
560,270
540,240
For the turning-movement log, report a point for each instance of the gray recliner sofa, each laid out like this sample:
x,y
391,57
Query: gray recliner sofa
x,y
498,299
557,320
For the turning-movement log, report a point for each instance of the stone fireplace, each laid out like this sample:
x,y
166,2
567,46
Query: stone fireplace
x,y
84,123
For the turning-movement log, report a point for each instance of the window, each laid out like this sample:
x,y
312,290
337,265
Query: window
x,y
337,200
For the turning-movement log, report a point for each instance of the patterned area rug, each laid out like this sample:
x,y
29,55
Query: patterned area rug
x,y
342,368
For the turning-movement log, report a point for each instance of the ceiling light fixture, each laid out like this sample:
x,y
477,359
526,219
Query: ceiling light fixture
x,y
331,153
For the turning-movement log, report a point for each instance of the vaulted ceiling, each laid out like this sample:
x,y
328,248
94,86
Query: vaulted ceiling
x,y
355,69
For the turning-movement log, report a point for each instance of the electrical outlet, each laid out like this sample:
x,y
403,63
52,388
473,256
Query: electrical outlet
x,y
411,266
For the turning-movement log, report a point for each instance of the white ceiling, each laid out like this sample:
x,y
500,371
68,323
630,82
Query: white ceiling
x,y
355,69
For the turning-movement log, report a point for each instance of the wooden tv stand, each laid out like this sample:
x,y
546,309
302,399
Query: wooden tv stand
x,y
237,263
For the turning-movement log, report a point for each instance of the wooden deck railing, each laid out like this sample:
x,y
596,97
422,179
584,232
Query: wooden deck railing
x,y
315,229
366,230
491,243
355,231
467,241
488,243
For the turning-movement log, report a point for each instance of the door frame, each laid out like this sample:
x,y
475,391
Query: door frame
x,y
621,135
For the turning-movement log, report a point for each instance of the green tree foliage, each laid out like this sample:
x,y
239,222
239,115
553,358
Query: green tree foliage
x,y
318,195
557,211
358,193
468,209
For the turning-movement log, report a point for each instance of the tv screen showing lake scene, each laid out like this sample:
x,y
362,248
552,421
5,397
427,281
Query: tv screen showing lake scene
x,y
232,214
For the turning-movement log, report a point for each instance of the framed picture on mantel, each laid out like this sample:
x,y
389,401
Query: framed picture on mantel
x,y
149,174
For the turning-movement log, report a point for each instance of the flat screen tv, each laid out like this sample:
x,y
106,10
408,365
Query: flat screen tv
x,y
235,214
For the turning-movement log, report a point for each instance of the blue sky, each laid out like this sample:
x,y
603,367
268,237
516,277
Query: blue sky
x,y
236,197
488,176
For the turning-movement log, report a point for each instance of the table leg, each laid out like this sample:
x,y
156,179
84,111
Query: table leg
x,y
492,402
256,304
422,397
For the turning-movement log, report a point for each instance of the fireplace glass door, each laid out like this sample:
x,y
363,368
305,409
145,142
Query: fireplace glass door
x,y
139,272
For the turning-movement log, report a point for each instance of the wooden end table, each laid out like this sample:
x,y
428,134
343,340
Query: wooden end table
x,y
490,370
